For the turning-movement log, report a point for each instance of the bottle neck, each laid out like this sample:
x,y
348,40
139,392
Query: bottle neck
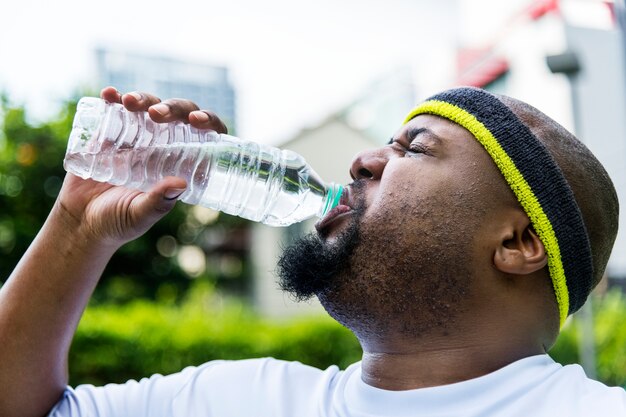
x,y
332,198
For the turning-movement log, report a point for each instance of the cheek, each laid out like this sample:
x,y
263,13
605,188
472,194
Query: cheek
x,y
425,214
407,191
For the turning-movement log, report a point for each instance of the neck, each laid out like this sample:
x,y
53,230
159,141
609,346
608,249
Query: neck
x,y
401,366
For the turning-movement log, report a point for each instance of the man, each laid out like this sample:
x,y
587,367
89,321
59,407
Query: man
x,y
460,249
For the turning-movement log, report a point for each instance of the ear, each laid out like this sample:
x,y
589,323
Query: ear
x,y
520,251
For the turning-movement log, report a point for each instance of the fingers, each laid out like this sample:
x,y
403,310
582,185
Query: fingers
x,y
111,95
186,111
136,101
204,119
171,110
165,111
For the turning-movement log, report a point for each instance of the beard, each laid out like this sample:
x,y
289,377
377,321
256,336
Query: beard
x,y
377,287
309,266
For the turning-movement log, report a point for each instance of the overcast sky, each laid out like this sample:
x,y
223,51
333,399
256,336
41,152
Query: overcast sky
x,y
292,62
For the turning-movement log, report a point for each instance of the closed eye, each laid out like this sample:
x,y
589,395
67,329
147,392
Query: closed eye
x,y
417,148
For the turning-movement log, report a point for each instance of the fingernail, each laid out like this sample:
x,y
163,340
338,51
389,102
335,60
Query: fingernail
x,y
201,116
162,109
173,193
136,96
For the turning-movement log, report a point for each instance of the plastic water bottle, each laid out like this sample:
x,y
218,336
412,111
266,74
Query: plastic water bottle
x,y
111,144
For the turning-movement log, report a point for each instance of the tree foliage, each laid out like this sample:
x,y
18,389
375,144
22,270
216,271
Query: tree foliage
x,y
609,336
31,174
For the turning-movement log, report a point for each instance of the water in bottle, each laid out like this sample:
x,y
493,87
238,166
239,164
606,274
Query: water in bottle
x,y
277,187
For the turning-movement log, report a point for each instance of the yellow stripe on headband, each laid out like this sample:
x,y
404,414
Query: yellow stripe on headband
x,y
518,184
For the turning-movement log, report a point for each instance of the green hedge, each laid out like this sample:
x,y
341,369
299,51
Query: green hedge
x,y
115,343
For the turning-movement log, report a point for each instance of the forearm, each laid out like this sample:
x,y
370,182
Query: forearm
x,y
42,301
40,307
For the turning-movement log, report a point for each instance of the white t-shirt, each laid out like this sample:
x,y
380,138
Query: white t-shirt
x,y
535,386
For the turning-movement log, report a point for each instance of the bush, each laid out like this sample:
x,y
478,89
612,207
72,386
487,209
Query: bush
x,y
115,343
610,339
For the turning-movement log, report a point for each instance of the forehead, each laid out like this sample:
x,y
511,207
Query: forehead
x,y
454,147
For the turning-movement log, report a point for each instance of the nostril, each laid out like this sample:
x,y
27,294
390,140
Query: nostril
x,y
365,173
369,164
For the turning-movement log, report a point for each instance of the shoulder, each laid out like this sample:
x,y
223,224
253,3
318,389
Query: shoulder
x,y
261,368
588,396
259,387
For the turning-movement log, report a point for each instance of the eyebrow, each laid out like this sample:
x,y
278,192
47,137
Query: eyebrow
x,y
413,132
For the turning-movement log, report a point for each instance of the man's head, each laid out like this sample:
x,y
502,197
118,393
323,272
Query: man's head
x,y
441,238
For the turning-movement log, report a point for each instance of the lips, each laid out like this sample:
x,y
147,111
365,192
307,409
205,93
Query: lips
x,y
344,206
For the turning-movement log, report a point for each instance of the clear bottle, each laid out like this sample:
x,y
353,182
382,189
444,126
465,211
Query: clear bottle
x,y
111,144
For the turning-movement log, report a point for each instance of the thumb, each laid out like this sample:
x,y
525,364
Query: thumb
x,y
150,207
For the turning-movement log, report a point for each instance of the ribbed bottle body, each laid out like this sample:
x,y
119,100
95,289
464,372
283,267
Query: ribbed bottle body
x,y
239,177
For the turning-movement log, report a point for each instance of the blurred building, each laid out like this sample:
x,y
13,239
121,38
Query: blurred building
x,y
207,85
507,54
566,58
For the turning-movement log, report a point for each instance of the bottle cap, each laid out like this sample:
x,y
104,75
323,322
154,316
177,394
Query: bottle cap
x,y
334,196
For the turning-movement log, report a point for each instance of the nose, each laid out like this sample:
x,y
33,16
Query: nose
x,y
370,164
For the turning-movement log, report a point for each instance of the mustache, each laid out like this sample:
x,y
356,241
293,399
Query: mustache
x,y
357,194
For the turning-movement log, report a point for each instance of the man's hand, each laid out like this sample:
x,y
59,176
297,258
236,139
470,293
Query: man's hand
x,y
111,215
